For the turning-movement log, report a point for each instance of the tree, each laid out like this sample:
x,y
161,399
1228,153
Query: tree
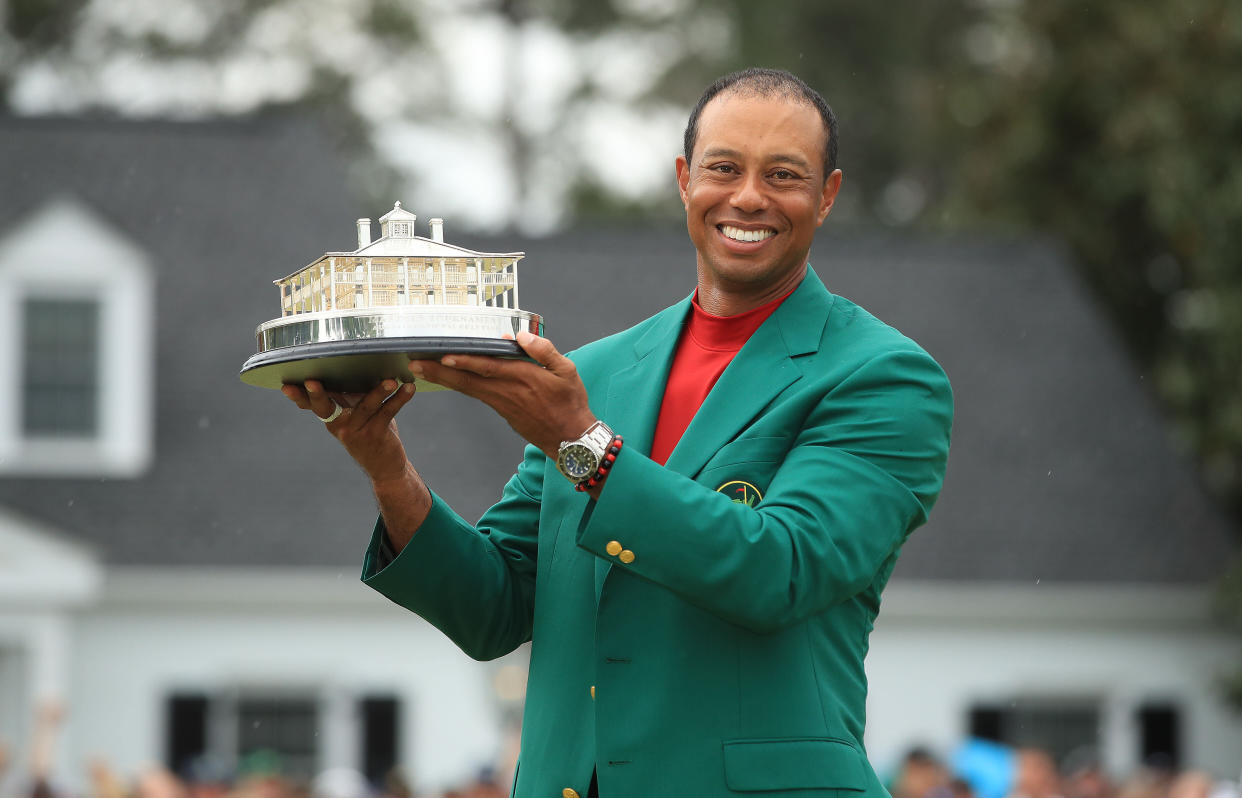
x,y
1116,126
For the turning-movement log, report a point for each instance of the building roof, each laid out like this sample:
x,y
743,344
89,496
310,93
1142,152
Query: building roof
x,y
1061,468
398,214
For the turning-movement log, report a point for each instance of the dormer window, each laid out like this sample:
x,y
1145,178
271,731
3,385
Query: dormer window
x,y
76,310
400,229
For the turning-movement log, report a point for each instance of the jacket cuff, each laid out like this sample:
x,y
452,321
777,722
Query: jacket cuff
x,y
381,558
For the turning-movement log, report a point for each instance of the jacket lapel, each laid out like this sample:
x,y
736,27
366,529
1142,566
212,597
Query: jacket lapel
x,y
761,370
632,400
632,403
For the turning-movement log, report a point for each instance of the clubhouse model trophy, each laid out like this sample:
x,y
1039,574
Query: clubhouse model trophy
x,y
352,319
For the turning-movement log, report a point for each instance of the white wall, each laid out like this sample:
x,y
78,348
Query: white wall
x,y
154,634
936,650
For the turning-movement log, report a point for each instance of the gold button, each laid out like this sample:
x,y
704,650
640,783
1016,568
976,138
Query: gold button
x,y
569,792
626,556
592,692
613,548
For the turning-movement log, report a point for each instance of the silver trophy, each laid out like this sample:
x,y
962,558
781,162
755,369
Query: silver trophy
x,y
352,319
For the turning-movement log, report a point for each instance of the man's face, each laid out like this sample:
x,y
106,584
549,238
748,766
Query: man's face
x,y
755,191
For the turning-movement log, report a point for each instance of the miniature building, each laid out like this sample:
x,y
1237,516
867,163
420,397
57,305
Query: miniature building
x,y
400,268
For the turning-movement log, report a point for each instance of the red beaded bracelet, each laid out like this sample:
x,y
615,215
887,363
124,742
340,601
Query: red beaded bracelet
x,y
605,464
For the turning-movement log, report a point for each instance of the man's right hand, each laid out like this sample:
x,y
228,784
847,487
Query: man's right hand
x,y
367,428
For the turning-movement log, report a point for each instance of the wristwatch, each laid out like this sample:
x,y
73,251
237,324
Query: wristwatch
x,y
578,460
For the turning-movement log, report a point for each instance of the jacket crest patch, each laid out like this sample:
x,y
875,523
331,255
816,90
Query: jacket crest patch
x,y
742,492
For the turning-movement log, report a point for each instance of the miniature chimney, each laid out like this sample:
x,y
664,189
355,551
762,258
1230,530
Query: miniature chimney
x,y
437,229
364,232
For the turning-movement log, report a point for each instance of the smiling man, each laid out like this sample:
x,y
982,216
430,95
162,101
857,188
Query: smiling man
x,y
711,504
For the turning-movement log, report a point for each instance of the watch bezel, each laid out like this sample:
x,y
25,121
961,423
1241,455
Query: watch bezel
x,y
563,456
595,443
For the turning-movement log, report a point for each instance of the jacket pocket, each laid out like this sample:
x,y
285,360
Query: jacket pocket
x,y
793,763
749,460
750,450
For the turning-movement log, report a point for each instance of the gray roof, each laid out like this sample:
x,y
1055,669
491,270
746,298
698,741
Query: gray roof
x,y
1061,468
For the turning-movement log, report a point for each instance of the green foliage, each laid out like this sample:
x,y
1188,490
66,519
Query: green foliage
x,y
392,20
41,23
1228,607
884,75
1117,127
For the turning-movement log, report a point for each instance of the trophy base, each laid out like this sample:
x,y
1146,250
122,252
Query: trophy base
x,y
357,366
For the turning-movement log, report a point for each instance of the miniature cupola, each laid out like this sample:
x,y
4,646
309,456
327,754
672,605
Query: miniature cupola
x,y
397,223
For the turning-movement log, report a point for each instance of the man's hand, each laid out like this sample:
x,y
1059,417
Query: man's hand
x,y
545,402
366,426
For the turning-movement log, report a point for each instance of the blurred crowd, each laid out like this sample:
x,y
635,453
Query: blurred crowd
x,y
975,770
1035,773
258,775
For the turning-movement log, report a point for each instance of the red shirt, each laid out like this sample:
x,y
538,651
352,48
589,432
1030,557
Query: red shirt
x,y
706,347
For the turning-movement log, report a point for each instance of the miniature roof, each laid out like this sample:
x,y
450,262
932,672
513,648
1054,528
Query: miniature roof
x,y
397,214
1061,468
407,247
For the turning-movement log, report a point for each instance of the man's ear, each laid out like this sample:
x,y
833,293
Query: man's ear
x,y
831,186
683,178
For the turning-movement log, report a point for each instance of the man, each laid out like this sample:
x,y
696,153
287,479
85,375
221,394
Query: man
x,y
700,611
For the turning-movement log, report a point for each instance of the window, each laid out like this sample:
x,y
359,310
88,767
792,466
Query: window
x,y
1056,725
401,229
229,726
76,345
60,380
1160,738
379,743
288,727
186,731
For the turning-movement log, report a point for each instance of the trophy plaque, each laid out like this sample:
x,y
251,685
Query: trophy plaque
x,y
352,319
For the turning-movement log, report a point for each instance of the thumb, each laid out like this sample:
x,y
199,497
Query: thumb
x,y
541,349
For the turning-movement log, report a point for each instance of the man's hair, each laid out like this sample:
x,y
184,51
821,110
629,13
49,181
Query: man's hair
x,y
761,82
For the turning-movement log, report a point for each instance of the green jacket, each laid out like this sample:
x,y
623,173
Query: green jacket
x,y
726,656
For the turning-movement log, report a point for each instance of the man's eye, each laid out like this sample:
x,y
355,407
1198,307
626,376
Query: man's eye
x,y
783,174
723,168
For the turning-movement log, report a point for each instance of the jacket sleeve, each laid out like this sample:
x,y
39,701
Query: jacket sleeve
x,y
475,584
862,472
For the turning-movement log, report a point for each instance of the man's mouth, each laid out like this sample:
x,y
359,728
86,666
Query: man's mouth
x,y
738,234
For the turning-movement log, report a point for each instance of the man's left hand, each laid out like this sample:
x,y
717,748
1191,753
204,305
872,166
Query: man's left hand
x,y
545,402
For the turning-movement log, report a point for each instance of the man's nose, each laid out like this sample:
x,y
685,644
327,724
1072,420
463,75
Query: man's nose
x,y
749,195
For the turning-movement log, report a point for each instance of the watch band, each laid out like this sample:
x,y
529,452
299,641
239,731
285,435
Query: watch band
x,y
597,436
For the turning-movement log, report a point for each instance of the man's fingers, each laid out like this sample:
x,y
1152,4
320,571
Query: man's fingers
x,y
541,349
450,374
388,410
546,355
365,410
321,404
477,364
313,397
297,395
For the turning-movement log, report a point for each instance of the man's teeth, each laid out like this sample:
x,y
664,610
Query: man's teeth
x,y
738,234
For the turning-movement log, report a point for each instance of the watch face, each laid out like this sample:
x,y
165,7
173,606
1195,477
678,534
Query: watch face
x,y
578,462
